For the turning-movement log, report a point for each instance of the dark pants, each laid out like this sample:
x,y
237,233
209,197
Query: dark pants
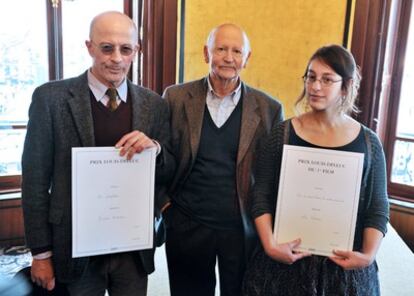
x,y
119,274
192,251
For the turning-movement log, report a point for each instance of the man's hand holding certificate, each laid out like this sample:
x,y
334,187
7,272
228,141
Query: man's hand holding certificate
x,y
112,201
318,198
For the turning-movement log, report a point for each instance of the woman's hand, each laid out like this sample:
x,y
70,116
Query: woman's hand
x,y
285,253
351,260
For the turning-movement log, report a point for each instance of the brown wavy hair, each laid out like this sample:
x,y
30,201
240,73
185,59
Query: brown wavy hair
x,y
343,63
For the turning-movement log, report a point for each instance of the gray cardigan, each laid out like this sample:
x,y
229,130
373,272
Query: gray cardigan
x,y
259,113
373,210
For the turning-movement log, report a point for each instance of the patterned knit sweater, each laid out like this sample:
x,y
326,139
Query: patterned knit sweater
x,y
373,210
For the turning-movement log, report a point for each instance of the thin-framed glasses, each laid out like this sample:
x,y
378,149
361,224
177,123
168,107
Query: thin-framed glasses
x,y
222,51
325,81
109,49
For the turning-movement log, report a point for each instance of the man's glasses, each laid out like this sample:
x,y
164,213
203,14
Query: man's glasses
x,y
222,51
324,80
109,49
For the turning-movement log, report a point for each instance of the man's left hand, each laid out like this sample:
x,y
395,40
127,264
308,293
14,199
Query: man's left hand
x,y
134,142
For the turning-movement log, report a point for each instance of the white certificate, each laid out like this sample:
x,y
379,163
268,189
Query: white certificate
x,y
318,198
112,201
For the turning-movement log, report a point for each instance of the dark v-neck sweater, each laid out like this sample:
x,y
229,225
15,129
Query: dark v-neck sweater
x,y
209,194
110,126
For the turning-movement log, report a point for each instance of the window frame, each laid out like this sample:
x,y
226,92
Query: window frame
x,y
379,47
155,67
398,51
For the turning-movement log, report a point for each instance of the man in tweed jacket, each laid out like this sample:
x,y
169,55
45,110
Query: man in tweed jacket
x,y
74,113
216,125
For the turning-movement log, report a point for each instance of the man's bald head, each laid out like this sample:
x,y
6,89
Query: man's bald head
x,y
112,20
212,36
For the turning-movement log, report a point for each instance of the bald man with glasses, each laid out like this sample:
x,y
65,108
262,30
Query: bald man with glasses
x,y
101,107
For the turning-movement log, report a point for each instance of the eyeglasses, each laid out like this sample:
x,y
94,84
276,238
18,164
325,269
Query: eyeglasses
x,y
324,80
109,49
222,51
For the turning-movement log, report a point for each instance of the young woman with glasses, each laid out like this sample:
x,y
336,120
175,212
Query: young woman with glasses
x,y
331,83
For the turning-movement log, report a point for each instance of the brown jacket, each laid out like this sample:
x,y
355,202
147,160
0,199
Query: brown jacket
x,y
187,104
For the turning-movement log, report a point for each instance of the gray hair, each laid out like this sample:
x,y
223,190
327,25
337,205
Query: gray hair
x,y
211,38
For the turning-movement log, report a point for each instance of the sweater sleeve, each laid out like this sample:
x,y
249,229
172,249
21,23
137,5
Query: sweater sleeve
x,y
267,173
37,168
377,213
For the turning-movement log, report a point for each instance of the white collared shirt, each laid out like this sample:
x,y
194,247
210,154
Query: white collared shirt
x,y
99,89
220,108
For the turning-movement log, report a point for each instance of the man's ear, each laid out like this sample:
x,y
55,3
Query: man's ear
x,y
247,59
206,54
89,47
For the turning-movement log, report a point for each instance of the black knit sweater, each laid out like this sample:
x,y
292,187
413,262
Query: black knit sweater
x,y
373,210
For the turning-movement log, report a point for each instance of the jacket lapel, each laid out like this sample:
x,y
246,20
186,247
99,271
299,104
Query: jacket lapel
x,y
194,108
80,106
140,111
249,122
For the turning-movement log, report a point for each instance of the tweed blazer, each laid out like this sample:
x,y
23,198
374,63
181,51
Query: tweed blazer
x,y
60,118
187,106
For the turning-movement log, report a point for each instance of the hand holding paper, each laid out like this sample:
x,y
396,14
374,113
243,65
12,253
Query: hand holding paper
x,y
285,252
134,142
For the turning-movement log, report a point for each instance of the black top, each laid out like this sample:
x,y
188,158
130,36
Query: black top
x,y
356,145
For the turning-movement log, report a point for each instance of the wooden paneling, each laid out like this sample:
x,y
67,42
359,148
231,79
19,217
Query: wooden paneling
x,y
368,48
283,35
11,222
402,219
12,228
159,44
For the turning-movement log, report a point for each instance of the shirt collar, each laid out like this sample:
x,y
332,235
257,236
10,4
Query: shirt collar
x,y
234,95
99,89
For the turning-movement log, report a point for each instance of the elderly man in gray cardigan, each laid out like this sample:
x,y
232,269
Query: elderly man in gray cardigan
x,y
217,123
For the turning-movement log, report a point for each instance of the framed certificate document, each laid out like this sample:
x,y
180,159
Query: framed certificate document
x,y
112,201
318,198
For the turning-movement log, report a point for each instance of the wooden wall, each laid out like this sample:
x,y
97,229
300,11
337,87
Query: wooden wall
x,y
402,219
12,228
283,35
11,222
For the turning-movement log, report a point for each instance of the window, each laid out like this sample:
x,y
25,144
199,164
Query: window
x,y
75,56
383,46
398,125
23,66
47,45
